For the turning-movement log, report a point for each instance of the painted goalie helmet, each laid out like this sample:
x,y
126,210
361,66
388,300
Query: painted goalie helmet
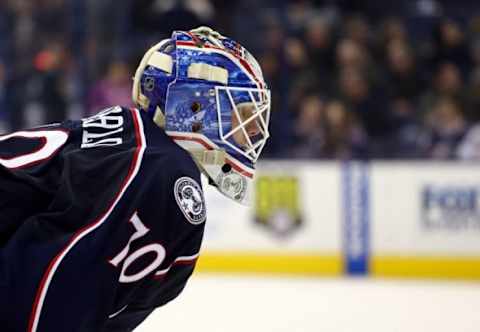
x,y
209,95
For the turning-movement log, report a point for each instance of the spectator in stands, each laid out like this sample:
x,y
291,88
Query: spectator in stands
x,y
408,139
402,77
447,128
114,89
298,70
447,82
469,147
350,54
151,17
319,44
309,129
344,136
358,30
46,100
392,28
368,104
298,13
451,45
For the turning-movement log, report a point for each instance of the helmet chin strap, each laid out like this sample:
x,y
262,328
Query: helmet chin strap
x,y
159,118
205,159
209,157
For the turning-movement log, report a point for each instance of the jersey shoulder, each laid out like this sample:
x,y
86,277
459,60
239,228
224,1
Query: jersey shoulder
x,y
173,178
162,151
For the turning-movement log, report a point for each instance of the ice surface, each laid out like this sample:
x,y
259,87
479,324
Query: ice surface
x,y
213,303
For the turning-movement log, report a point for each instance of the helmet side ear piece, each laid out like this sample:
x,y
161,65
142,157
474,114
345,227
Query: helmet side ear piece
x,y
161,62
207,92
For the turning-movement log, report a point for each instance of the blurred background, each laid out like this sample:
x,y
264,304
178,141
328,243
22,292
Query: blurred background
x,y
371,170
351,79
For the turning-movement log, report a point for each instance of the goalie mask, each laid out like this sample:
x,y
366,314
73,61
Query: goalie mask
x,y
209,95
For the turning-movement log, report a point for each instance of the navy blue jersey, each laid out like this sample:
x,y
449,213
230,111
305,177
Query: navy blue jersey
x,y
101,221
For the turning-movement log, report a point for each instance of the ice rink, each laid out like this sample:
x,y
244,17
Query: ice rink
x,y
260,304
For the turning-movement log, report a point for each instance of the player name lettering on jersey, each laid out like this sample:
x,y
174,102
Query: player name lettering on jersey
x,y
103,129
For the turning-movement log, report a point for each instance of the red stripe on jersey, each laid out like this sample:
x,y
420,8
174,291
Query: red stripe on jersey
x,y
159,275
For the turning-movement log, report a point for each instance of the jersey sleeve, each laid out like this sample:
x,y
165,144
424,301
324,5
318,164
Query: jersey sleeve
x,y
64,206
117,234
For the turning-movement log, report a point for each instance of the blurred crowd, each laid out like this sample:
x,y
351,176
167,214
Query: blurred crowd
x,y
350,79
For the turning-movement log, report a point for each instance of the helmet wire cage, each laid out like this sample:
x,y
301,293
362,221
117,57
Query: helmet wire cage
x,y
259,102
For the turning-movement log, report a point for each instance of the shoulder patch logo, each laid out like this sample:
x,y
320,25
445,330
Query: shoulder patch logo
x,y
189,197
